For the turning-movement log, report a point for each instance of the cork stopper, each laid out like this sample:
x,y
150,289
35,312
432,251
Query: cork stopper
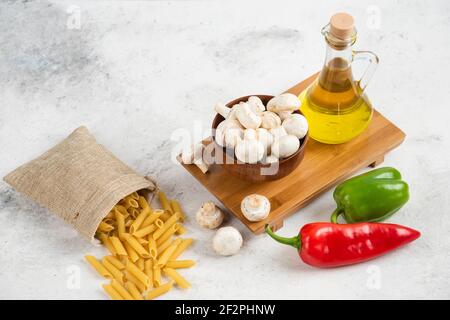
x,y
342,26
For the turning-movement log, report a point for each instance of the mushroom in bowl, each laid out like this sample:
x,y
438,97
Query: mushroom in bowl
x,y
258,150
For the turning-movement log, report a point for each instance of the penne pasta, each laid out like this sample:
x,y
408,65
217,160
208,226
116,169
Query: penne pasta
x,y
128,223
118,246
164,202
140,264
164,246
130,203
143,245
178,264
138,273
131,252
143,203
159,223
116,273
159,291
133,212
156,276
136,245
134,196
131,278
112,293
175,205
175,276
148,268
104,227
181,230
101,270
167,253
133,290
145,231
120,223
152,249
107,243
169,223
167,234
139,220
110,215
165,216
121,290
142,241
152,217
179,250
122,210
115,262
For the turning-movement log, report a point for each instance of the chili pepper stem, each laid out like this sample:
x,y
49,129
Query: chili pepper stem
x,y
336,214
294,241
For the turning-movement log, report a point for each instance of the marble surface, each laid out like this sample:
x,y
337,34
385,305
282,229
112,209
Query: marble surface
x,y
137,72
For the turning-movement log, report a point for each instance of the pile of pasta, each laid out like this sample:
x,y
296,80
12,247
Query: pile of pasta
x,y
144,247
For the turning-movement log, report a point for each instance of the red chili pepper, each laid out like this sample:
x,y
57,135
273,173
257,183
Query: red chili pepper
x,y
326,245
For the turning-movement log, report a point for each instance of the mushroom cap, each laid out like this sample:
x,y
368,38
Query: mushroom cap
x,y
249,151
209,216
257,103
278,132
285,114
250,134
255,207
232,136
270,120
296,125
265,137
222,127
285,146
271,159
247,117
284,102
227,241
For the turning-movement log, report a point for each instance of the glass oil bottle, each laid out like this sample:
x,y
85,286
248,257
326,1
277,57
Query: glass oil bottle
x,y
335,105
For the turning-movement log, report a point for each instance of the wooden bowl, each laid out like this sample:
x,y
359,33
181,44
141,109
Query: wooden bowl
x,y
253,172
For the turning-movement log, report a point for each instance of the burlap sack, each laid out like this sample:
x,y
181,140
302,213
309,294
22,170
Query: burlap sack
x,y
79,180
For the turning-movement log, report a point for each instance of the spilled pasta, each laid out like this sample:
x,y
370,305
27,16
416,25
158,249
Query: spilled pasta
x,y
145,245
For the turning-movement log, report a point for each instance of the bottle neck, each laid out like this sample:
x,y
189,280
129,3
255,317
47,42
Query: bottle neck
x,y
338,58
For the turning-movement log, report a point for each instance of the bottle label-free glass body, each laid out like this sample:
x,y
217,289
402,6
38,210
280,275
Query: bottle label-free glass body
x,y
335,106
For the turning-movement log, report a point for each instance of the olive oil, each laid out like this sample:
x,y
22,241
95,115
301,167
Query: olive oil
x,y
335,106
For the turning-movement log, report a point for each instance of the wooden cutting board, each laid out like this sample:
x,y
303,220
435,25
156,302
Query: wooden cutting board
x,y
323,167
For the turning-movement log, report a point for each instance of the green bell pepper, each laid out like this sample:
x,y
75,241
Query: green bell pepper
x,y
370,197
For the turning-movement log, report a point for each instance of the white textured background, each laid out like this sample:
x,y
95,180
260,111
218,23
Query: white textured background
x,y
135,71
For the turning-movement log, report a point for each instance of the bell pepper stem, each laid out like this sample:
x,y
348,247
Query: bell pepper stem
x,y
336,214
294,241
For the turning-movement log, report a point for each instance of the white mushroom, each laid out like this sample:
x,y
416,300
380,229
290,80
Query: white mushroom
x,y
232,136
271,159
247,117
265,137
249,151
257,104
278,132
270,120
296,125
285,114
209,216
227,241
194,155
284,102
255,207
222,109
222,128
250,134
285,146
